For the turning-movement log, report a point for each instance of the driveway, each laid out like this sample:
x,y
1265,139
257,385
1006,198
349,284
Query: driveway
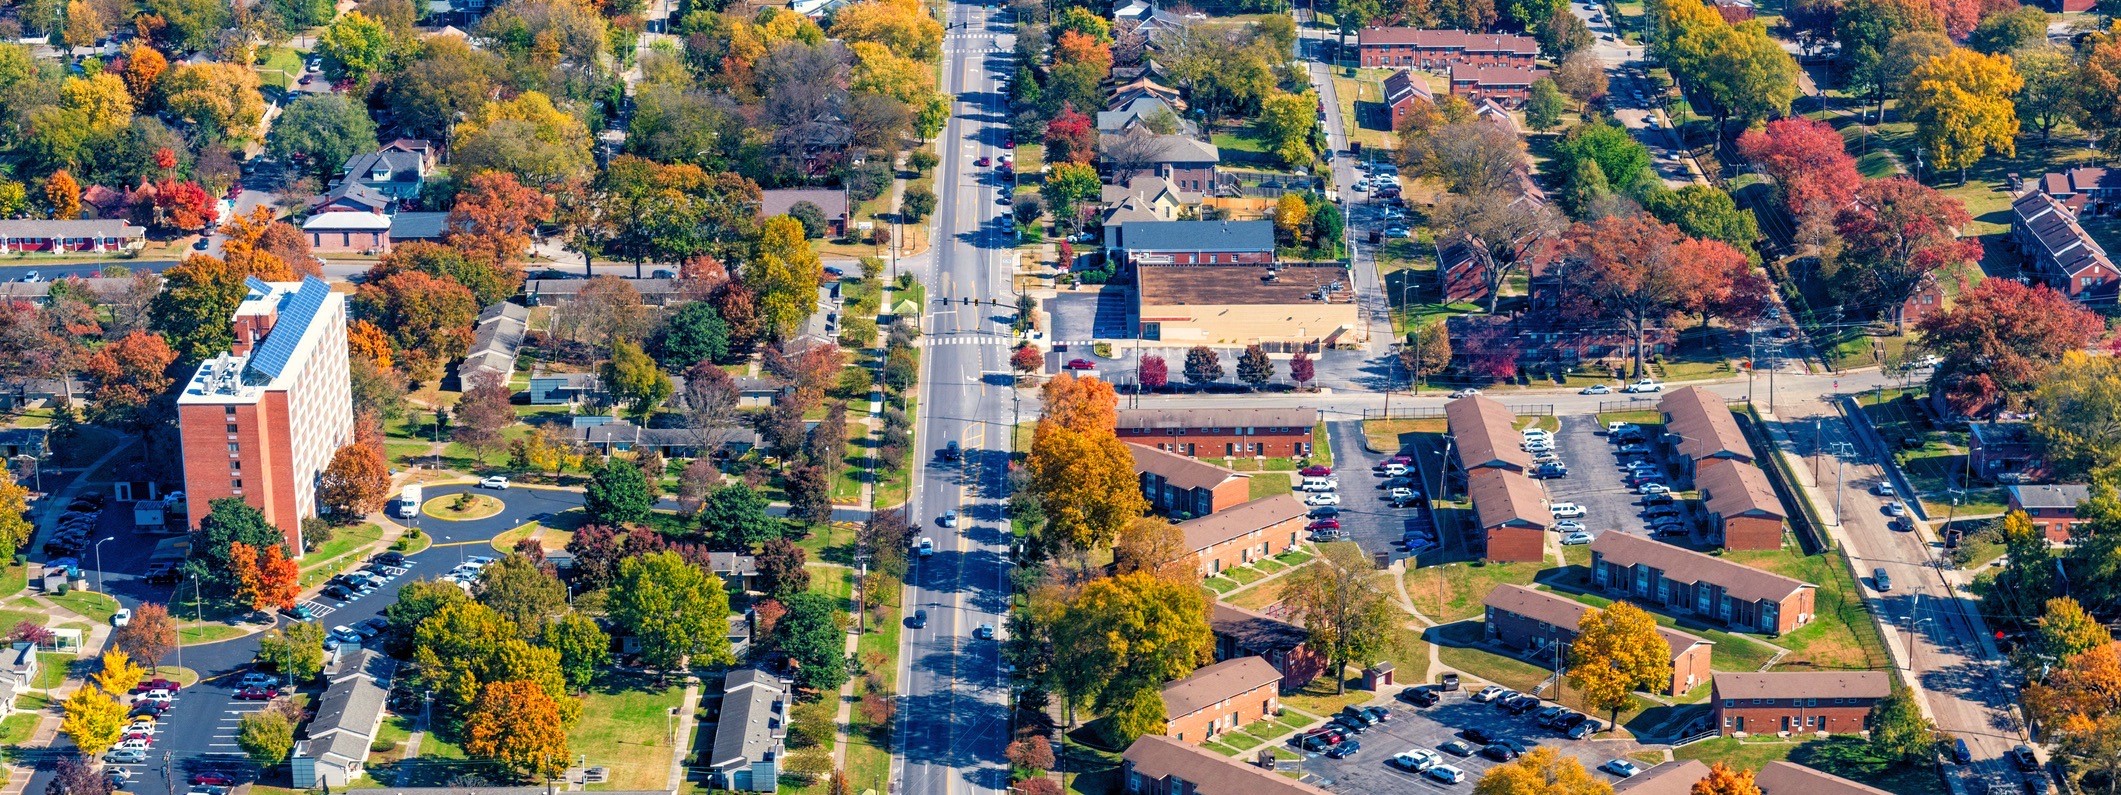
x,y
1369,770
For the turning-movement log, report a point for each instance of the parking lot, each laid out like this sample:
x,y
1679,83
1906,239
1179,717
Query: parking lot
x,y
1370,769
1366,516
1595,479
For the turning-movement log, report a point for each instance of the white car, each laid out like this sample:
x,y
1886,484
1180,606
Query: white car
x,y
1568,510
1891,509
1569,526
1417,759
1539,446
121,618
1883,490
948,519
1596,389
1621,767
131,745
1654,488
1646,385
1618,427
1394,470
1322,498
494,482
1400,494
154,695
1465,393
1488,694
1577,538
1538,434
1446,774
130,756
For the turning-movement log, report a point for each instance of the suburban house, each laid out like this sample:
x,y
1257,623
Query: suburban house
x,y
1699,426
1126,93
747,740
1668,778
1221,433
20,667
348,716
2089,188
1159,765
98,201
1262,528
1684,582
1286,308
757,393
18,236
1833,702
739,572
1136,112
1743,510
1193,243
1436,50
1788,778
348,232
2060,251
1187,161
1483,436
351,196
549,388
1220,698
396,173
1184,487
2053,508
1506,85
1541,625
1244,633
832,203
1997,448
1404,91
1512,514
497,336
1159,195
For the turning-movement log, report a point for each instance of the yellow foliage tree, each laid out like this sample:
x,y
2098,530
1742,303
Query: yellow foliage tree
x,y
784,276
1962,106
367,342
880,71
94,720
102,100
144,66
1085,482
242,250
1541,771
15,528
84,24
1122,638
528,136
1152,544
1617,651
119,674
216,96
1292,215
63,195
1726,780
905,26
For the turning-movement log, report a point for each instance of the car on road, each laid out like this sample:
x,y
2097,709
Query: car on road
x,y
1576,539
1322,498
1883,489
1446,774
1417,759
1081,364
1646,385
983,162
1489,693
1345,749
1465,393
1569,526
927,547
1891,509
950,452
121,618
1621,767
1568,510
2023,757
1881,580
983,632
918,620
1960,753
1595,389
948,519
499,482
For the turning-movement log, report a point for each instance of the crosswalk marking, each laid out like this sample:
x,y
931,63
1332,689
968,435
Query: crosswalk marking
x,y
930,342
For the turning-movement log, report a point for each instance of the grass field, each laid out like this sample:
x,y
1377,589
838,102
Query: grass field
x,y
196,634
626,730
1841,635
1268,484
52,668
1732,652
1936,463
1453,592
1258,597
1847,756
346,548
87,604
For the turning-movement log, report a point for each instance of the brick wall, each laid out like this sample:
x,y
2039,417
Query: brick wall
x,y
1238,711
1198,443
1750,532
1769,716
1517,544
1408,55
1252,546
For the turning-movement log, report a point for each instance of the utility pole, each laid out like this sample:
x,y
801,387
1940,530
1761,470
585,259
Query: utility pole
x,y
1842,450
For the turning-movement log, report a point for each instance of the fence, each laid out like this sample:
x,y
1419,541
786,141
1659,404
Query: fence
x,y
1804,522
1436,412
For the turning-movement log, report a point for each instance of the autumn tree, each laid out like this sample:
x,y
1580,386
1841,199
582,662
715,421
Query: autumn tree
x,y
1807,160
78,775
1302,369
1999,337
1084,479
2076,412
1085,405
1726,780
93,719
266,736
1203,365
1121,638
635,381
356,482
62,195
1154,372
1499,233
296,652
519,726
521,591
1630,269
1154,545
495,217
1253,366
1617,652
1471,156
266,579
1896,234
150,636
1071,137
528,137
1340,601
784,274
15,527
1541,771
428,319
483,414
116,672
1961,105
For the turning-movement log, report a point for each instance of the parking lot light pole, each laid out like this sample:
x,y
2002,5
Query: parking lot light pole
x,y
99,563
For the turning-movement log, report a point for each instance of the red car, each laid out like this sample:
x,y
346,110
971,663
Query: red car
x,y
211,778
1323,524
155,684
983,162
1008,143
1315,471
258,694
1081,364
141,736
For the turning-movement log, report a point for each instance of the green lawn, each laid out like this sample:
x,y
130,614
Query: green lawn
x,y
16,729
1841,634
627,731
1732,652
87,604
9,619
346,549
1847,756
196,634
52,668
1268,484
1453,592
12,580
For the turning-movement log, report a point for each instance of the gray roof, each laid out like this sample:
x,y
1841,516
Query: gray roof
x,y
754,715
1683,565
2059,495
355,191
1158,758
1224,236
31,228
1175,148
569,287
418,226
402,166
780,200
724,563
1787,778
1803,684
499,334
622,432
1256,633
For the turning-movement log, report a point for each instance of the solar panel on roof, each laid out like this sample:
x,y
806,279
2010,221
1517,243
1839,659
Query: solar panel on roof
x,y
257,285
296,314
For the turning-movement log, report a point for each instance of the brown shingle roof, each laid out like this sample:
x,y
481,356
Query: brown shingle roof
x,y
1785,778
1703,423
1149,419
1505,498
1216,683
1255,632
1157,757
1491,76
1182,471
1454,40
1670,778
1567,613
1685,565
1480,428
1804,684
1736,487
1258,514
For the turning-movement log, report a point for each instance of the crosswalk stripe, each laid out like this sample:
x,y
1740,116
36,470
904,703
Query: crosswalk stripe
x,y
935,341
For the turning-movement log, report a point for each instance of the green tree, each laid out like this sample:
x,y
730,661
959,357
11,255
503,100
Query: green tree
x,y
1744,72
1067,184
1899,733
811,634
2065,630
325,128
1121,639
693,334
1705,211
418,601
1543,109
229,520
296,651
618,494
1624,161
1203,365
2005,33
583,647
267,736
1340,600
734,517
1287,124
635,381
678,613
1865,30
2077,413
2028,575
1617,652
522,592
192,311
2050,93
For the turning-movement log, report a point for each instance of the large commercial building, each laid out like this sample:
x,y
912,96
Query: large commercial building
x,y
1231,306
262,421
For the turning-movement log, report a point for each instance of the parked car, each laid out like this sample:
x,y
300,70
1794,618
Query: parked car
x,y
1521,704
1081,364
1646,385
1498,752
1419,696
1416,760
1323,524
1576,539
1476,734
1582,730
1621,767
1961,754
1569,526
1322,498
2023,757
1488,694
1457,748
1345,749
1448,681
126,756
213,778
1568,510
1653,487
1446,774
1551,469
156,684
1327,512
1315,471
1595,389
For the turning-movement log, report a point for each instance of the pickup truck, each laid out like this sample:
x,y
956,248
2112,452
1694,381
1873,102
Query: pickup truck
x,y
1646,385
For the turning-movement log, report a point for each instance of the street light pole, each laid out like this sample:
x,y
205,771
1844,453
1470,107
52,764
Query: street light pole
x,y
99,563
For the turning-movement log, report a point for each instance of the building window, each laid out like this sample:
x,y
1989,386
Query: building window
x,y
234,448
231,427
236,483
228,411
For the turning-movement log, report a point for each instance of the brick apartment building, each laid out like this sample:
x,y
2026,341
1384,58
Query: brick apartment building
x,y
1789,778
1512,513
1835,702
1183,487
2052,508
1998,447
262,421
1698,426
1193,242
1541,625
1744,512
1404,92
1220,698
2061,252
1680,581
1243,633
1482,436
1436,50
1218,433
1506,85
1159,765
1262,528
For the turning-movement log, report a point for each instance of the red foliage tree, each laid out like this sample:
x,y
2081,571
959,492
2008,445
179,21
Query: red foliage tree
x,y
1302,369
1071,137
1632,270
1999,337
1807,160
1026,360
1897,232
1155,372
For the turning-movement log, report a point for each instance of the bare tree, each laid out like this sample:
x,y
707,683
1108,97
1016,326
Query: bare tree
x,y
709,405
1130,152
1498,229
1471,157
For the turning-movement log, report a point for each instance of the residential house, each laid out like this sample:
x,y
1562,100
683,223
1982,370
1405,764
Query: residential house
x,y
430,154
21,663
24,442
832,203
609,435
553,389
98,201
348,717
1997,448
1159,195
1136,112
1159,765
1505,85
1512,514
348,232
1221,433
1404,91
1484,436
1127,210
1667,778
1187,161
1734,11
747,750
497,336
1462,271
2052,508
1743,511
1540,626
1924,299
1184,487
396,173
1258,529
1796,702
1788,778
1220,698
418,227
1125,94
2061,252
1244,633
1680,581
2090,188
739,572
351,196
1437,50
28,235
757,393
1699,426
1285,308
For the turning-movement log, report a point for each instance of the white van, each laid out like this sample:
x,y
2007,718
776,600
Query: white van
x,y
1568,510
1316,485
